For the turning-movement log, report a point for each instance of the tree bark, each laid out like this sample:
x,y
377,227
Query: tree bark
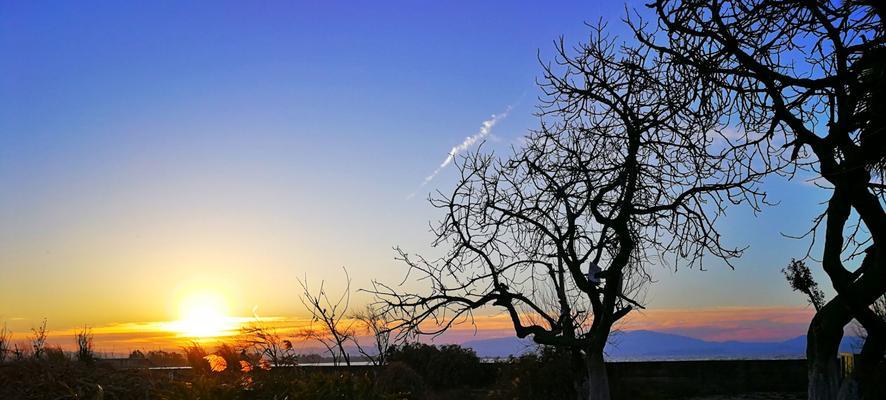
x,y
598,379
823,343
867,365
868,362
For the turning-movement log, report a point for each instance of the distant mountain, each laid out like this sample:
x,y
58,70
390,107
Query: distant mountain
x,y
501,347
650,345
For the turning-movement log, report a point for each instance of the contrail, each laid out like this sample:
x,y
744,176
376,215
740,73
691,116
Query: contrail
x,y
485,130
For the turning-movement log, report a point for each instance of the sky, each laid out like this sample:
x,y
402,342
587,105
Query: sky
x,y
151,151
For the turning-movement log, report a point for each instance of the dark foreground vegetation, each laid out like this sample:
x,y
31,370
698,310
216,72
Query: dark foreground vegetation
x,y
414,371
641,148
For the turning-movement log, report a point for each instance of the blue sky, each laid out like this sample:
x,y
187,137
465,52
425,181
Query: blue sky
x,y
148,149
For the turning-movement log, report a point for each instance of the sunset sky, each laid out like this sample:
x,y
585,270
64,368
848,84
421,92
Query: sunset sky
x,y
149,152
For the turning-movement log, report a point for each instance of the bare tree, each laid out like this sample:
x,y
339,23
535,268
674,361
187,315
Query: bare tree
x,y
38,341
5,339
335,329
268,343
800,278
85,348
808,76
628,170
375,325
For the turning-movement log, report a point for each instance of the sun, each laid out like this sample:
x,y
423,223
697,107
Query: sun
x,y
203,315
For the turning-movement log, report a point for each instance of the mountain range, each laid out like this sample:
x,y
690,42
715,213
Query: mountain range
x,y
651,345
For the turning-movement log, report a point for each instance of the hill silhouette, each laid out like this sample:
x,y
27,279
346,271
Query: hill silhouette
x,y
651,345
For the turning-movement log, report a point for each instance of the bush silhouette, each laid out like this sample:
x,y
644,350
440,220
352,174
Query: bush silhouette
x,y
399,379
441,367
547,373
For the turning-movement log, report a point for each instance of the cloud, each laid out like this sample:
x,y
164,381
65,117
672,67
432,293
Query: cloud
x,y
485,130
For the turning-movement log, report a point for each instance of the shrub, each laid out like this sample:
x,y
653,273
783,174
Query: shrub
x,y
231,355
38,341
137,355
85,351
55,354
68,380
20,352
160,358
441,367
310,384
334,385
397,378
547,373
196,356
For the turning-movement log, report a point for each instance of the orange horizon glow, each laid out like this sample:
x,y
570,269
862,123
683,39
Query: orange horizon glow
x,y
713,323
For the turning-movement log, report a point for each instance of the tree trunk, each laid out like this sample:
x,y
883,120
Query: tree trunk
x,y
822,346
598,380
867,366
823,373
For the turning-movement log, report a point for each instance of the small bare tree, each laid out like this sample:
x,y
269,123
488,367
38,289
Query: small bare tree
x,y
5,339
374,324
268,343
38,341
335,330
85,349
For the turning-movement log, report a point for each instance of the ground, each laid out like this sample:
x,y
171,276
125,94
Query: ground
x,y
755,396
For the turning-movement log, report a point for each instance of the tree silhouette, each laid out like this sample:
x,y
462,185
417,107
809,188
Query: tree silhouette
x,y
374,323
800,278
331,313
38,341
85,347
806,76
5,339
628,170
267,343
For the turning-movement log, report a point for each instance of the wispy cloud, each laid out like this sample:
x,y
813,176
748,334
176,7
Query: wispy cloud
x,y
485,130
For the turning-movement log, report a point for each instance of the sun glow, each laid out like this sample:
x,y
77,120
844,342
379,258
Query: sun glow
x,y
203,315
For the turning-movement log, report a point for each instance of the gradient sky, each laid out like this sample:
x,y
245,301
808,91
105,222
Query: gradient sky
x,y
150,150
